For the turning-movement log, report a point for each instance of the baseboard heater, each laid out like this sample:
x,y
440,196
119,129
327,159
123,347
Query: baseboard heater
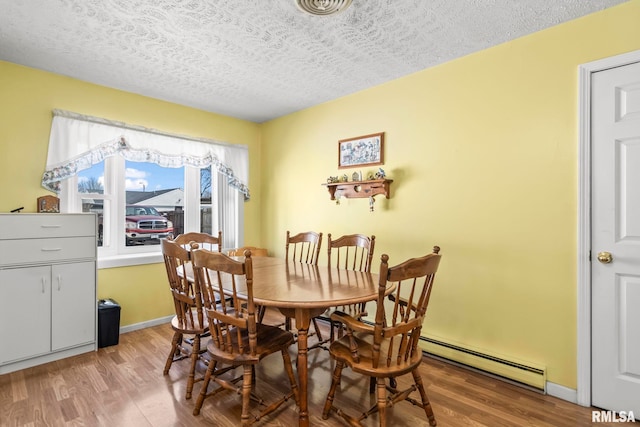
x,y
524,373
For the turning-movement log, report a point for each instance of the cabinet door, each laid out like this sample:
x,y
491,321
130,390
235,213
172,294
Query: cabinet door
x,y
73,304
25,312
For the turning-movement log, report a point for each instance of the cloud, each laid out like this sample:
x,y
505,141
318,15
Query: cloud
x,y
136,179
135,173
136,184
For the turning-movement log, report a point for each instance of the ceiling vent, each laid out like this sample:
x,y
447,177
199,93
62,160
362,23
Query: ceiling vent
x,y
323,7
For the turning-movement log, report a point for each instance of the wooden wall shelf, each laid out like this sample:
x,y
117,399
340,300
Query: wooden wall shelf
x,y
358,189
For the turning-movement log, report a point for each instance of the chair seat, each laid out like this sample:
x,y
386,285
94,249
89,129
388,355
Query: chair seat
x,y
189,328
271,339
340,350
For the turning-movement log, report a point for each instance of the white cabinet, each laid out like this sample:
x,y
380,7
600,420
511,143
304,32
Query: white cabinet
x,y
47,288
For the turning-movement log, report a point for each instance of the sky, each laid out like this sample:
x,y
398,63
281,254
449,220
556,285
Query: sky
x,y
142,176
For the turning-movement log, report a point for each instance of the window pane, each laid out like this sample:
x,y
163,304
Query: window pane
x,y
154,203
92,180
206,213
97,206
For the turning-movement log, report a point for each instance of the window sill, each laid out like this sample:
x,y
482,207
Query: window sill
x,y
128,260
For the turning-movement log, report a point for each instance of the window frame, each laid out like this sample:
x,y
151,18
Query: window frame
x,y
117,254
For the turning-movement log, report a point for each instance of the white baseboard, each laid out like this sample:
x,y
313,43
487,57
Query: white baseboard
x,y
147,324
562,392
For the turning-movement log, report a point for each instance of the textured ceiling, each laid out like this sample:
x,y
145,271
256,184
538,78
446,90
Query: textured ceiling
x,y
260,59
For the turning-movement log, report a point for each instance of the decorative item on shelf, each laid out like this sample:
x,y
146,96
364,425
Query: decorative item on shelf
x,y
356,176
345,178
370,176
380,174
48,204
332,179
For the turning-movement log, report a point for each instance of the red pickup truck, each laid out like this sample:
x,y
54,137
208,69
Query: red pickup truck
x,y
145,225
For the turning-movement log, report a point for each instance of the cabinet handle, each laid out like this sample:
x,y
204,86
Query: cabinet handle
x,y
50,249
59,282
50,226
44,282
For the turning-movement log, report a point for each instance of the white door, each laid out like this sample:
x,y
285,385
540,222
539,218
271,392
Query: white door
x,y
615,230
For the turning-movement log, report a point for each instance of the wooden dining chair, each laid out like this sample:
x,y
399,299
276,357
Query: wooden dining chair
x,y
389,348
350,252
305,248
255,252
236,338
204,240
189,323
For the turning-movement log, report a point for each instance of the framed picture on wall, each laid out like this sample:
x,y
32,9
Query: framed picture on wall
x,y
366,150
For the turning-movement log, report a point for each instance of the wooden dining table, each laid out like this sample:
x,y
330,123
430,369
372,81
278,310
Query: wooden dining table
x,y
302,292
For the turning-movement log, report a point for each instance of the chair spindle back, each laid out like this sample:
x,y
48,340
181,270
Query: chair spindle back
x,y
205,241
351,252
255,252
303,247
187,298
222,279
399,326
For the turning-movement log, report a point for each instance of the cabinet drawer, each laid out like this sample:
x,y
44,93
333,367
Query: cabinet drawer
x,y
32,226
31,251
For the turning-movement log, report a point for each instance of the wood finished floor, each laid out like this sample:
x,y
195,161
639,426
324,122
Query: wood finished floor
x,y
123,385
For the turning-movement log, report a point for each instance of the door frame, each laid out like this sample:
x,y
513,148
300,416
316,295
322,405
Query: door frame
x,y
585,71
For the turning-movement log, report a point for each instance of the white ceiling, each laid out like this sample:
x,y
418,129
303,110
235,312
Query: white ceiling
x,y
260,59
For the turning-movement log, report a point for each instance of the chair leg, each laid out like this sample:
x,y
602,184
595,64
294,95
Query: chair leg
x,y
292,379
175,342
246,394
317,328
261,311
340,329
382,400
426,405
321,340
393,383
195,355
335,381
205,386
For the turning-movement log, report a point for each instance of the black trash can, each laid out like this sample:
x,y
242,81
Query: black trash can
x,y
108,322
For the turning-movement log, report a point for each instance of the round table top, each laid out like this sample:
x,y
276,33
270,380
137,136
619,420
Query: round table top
x,y
283,284
287,284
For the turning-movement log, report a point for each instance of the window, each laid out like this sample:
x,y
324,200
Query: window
x,y
142,196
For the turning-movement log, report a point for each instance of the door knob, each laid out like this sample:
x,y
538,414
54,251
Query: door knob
x,y
605,257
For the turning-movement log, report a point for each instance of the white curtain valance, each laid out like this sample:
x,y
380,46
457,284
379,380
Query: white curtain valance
x,y
78,142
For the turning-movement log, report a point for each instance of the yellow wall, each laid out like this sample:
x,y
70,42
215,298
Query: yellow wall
x,y
482,150
483,154
28,96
